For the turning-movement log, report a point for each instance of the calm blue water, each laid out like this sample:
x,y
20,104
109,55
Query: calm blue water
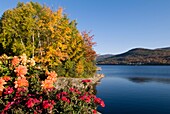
x,y
135,89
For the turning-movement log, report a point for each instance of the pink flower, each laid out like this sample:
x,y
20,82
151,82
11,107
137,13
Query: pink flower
x,y
15,61
8,90
21,89
8,105
47,104
30,103
36,100
21,70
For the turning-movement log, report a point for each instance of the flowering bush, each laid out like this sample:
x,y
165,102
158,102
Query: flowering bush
x,y
27,88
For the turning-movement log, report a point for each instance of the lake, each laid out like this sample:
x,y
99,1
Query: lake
x,y
135,89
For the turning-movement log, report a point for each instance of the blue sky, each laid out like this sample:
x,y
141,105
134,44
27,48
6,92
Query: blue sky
x,y
118,25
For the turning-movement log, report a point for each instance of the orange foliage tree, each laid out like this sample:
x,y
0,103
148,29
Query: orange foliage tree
x,y
49,37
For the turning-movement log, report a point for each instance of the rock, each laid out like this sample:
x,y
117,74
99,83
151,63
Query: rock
x,y
63,81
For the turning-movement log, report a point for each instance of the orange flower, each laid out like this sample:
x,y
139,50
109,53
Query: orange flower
x,y
7,78
47,84
2,82
52,79
51,76
21,70
15,61
21,82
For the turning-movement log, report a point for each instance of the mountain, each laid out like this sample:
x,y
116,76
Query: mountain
x,y
101,57
139,56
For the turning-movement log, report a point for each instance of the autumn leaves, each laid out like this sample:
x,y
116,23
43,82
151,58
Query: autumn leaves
x,y
48,36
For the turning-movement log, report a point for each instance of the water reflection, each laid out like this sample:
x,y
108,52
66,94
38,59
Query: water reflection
x,y
149,79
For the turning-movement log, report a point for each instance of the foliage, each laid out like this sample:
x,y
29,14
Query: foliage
x,y
27,88
49,37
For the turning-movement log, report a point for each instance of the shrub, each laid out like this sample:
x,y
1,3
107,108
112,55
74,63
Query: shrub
x,y
27,88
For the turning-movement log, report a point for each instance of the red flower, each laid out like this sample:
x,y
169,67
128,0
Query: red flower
x,y
87,100
58,96
8,90
93,96
97,100
83,97
65,99
77,91
52,102
94,111
72,89
35,112
102,103
30,103
86,81
64,93
46,104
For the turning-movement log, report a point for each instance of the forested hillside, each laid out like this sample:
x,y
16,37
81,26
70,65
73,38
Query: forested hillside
x,y
140,56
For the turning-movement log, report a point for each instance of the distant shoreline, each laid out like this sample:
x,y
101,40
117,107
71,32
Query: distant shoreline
x,y
137,64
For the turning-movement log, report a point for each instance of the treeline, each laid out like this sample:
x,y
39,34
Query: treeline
x,y
49,37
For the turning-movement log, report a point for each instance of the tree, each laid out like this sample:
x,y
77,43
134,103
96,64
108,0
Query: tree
x,y
49,37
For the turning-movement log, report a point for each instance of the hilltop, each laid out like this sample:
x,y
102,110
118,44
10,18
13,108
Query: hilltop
x,y
139,56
